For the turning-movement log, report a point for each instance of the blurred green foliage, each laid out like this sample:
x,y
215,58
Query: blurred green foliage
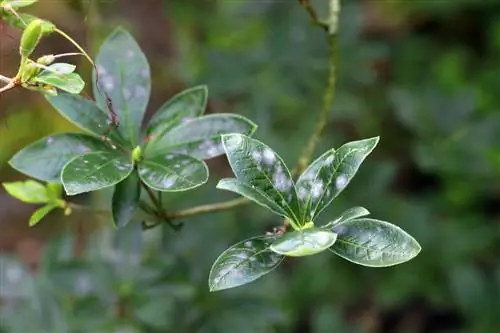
x,y
424,75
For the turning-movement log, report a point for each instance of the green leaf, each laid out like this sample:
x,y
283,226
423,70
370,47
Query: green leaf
x,y
44,159
95,171
63,68
71,83
186,105
254,194
200,137
124,74
18,3
85,114
243,263
28,191
373,243
40,213
126,199
329,175
350,214
173,173
255,164
304,242
54,191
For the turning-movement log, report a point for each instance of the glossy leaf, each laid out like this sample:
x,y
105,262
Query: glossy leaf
x,y
252,193
184,106
373,243
200,137
63,68
85,114
330,174
44,159
40,213
124,74
126,199
257,165
172,172
28,191
243,263
350,214
304,242
71,83
95,171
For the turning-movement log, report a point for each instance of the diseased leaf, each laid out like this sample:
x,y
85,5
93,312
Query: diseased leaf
x,y
124,75
200,137
373,243
40,213
173,172
252,193
95,171
329,175
350,214
44,159
243,263
304,242
255,164
126,199
71,83
28,191
184,106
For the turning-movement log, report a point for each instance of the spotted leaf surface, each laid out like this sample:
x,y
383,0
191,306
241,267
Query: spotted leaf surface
x,y
373,243
124,75
329,175
255,164
184,106
95,171
172,172
200,137
243,263
350,214
304,242
252,193
45,159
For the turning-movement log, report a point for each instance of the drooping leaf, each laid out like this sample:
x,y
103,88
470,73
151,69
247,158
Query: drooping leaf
x,y
304,242
257,165
373,243
173,172
71,83
124,74
95,171
126,199
200,137
329,175
252,193
85,114
243,263
28,191
44,159
184,106
40,213
350,214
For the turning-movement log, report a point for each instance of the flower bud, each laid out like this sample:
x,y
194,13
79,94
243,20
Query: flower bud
x,y
30,38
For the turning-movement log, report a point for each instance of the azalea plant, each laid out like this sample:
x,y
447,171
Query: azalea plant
x,y
113,150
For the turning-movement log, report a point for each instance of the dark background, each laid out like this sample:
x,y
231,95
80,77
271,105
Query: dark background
x,y
424,75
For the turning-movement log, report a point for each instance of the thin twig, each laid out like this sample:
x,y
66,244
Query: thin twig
x,y
5,79
209,208
8,86
312,14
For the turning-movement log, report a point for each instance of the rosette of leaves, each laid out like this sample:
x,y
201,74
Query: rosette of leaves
x,y
262,176
168,156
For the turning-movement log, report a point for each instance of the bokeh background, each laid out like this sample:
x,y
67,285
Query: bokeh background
x,y
422,74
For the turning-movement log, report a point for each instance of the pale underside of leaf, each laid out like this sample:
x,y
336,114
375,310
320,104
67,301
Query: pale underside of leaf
x,y
304,242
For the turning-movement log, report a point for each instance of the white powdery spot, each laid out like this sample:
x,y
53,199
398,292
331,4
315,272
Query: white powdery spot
x,y
187,120
50,140
101,70
210,148
140,91
316,189
341,181
257,156
169,181
281,181
108,82
329,160
235,140
126,93
145,73
130,54
169,157
13,273
268,156
302,193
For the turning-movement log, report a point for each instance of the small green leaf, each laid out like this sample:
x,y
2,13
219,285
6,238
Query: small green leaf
x,y
255,164
186,105
126,199
71,83
28,191
40,213
124,74
54,191
200,137
18,3
172,172
350,214
95,171
252,193
44,159
330,174
85,114
63,68
304,242
373,243
243,263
